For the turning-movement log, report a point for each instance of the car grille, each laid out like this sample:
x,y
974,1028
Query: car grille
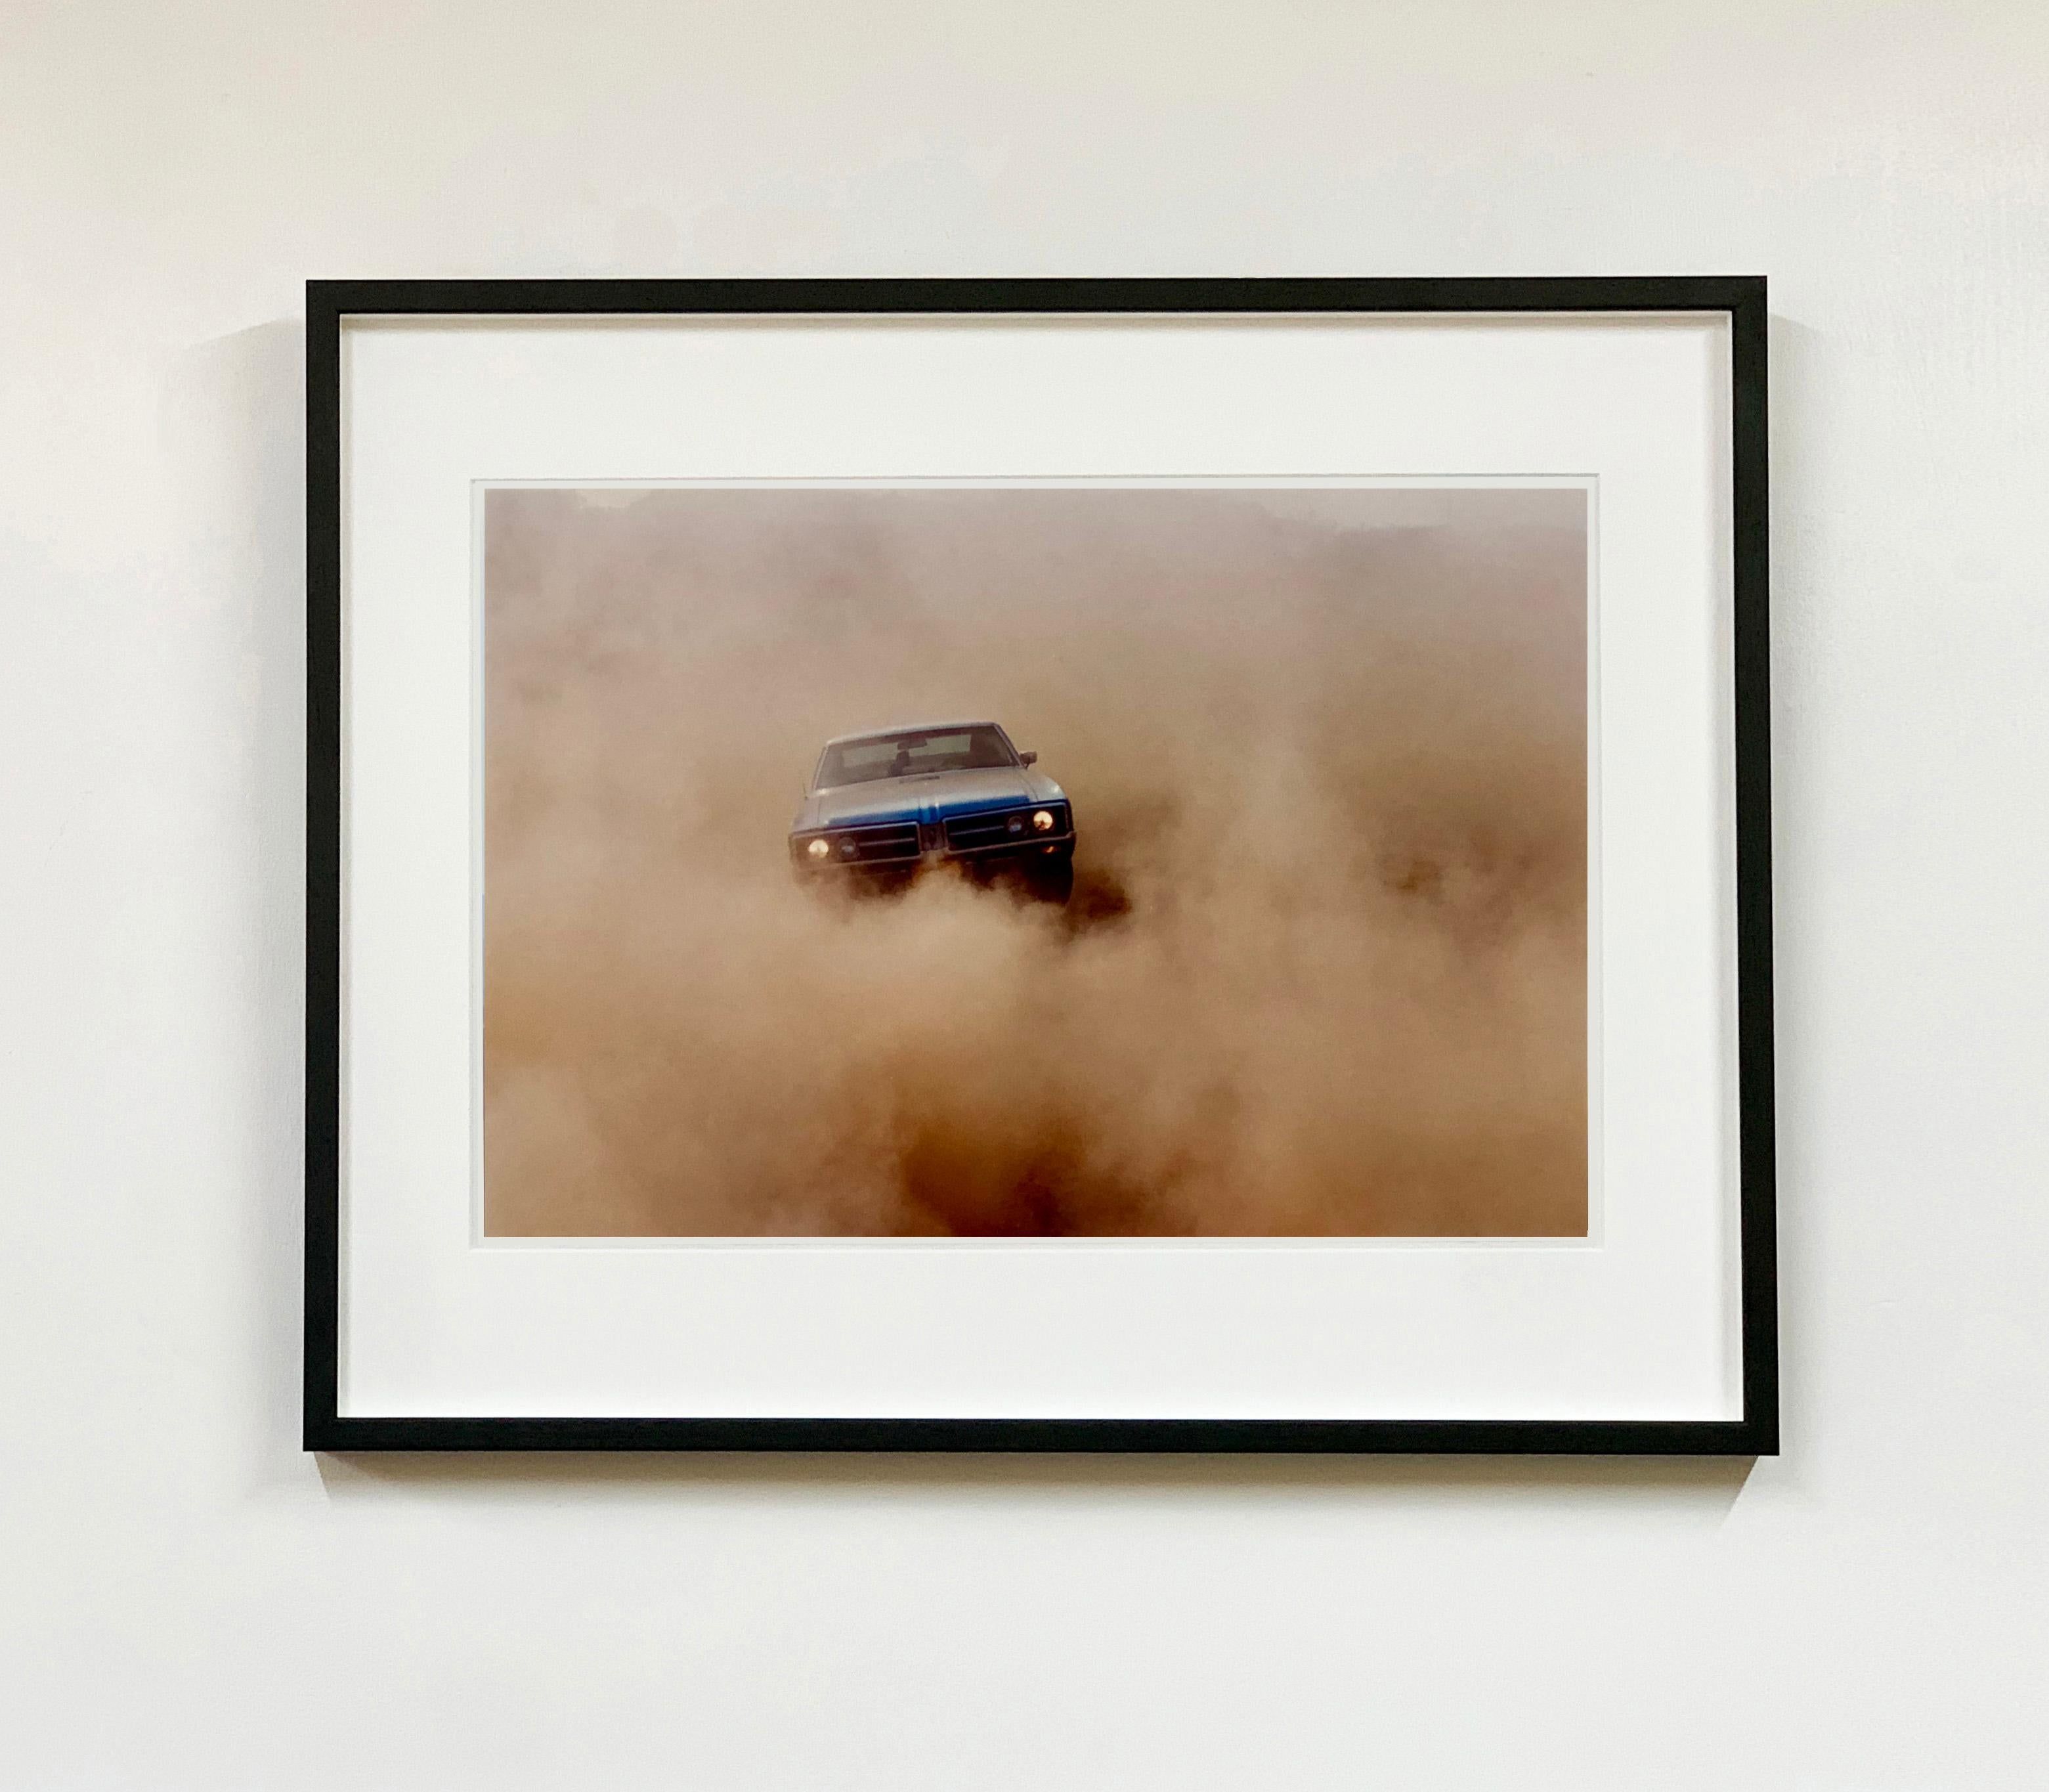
x,y
966,833
879,845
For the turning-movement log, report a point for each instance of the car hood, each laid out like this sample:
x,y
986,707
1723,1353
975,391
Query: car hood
x,y
930,798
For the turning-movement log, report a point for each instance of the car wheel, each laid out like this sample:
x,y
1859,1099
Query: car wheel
x,y
1052,880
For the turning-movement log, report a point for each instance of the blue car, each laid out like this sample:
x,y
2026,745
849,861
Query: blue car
x,y
884,805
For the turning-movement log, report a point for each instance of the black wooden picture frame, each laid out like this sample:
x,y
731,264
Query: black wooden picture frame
x,y
329,303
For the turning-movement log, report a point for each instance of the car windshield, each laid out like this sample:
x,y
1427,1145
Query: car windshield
x,y
913,754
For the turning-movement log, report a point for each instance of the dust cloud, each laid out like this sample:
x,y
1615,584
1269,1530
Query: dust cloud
x,y
1324,970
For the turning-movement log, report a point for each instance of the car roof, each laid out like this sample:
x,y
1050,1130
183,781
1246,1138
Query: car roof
x,y
912,728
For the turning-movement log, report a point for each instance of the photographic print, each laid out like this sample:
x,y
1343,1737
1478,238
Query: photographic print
x,y
1036,860
1039,865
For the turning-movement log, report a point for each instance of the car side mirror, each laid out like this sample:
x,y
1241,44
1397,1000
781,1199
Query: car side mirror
x,y
1028,758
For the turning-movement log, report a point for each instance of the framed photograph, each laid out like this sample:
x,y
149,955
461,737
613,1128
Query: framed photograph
x,y
1103,865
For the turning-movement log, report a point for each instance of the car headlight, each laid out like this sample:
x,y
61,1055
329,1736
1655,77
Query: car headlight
x,y
817,849
1043,821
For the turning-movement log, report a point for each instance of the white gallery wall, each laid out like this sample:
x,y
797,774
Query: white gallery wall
x,y
186,1601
